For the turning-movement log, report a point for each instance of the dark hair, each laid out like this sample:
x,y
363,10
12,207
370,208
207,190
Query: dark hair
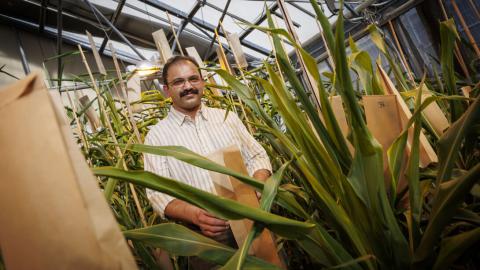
x,y
173,60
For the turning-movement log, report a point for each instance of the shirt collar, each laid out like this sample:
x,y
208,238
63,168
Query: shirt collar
x,y
180,117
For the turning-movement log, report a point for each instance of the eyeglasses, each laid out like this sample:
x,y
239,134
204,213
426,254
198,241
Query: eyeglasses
x,y
180,82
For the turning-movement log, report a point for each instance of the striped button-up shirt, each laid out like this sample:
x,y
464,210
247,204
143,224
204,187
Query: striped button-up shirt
x,y
210,131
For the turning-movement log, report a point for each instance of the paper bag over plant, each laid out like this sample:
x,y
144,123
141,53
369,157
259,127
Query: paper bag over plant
x,y
52,214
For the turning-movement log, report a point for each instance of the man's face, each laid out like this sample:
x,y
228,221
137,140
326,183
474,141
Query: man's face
x,y
185,86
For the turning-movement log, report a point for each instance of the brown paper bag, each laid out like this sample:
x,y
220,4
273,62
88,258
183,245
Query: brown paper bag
x,y
264,245
384,121
427,154
434,115
52,214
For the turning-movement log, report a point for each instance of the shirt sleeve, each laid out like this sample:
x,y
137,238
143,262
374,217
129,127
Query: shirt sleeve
x,y
157,165
254,155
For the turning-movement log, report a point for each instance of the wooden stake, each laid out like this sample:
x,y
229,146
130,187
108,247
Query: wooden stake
x,y
112,134
90,113
290,27
474,7
125,94
98,59
466,28
466,90
237,61
328,49
402,55
162,45
174,34
80,127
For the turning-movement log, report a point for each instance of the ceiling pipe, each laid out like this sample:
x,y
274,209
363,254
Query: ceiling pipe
x,y
113,19
90,22
23,57
107,21
59,42
356,11
52,33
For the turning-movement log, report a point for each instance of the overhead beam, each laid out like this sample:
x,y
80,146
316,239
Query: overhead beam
x,y
59,42
113,20
43,15
23,57
225,47
90,22
52,33
161,19
184,23
120,34
241,19
262,18
297,6
207,26
224,12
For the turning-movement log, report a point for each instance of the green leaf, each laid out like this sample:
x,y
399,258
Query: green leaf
x,y
339,152
378,40
285,199
179,240
449,197
450,142
361,62
448,36
112,182
324,249
366,174
451,248
397,149
413,177
221,207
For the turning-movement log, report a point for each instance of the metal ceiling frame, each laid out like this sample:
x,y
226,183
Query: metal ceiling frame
x,y
190,18
186,18
205,25
113,20
184,23
52,33
224,12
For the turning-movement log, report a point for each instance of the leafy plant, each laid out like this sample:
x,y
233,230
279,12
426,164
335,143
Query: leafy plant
x,y
323,201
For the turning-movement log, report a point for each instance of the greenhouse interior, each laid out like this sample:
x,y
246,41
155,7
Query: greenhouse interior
x,y
240,134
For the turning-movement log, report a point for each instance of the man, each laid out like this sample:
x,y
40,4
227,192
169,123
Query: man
x,y
203,130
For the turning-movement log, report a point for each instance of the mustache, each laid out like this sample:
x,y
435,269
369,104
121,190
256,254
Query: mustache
x,y
189,91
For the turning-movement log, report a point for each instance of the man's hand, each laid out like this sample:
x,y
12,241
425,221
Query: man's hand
x,y
262,175
209,224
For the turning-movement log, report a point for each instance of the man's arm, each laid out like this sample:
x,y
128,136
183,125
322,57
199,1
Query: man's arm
x,y
255,157
208,223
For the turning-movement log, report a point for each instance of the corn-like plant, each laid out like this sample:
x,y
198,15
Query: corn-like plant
x,y
329,205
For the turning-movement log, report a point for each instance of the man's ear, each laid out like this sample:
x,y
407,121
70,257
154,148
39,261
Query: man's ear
x,y
166,90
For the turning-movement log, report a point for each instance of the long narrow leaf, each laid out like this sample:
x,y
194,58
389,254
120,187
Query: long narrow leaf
x,y
179,240
221,207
